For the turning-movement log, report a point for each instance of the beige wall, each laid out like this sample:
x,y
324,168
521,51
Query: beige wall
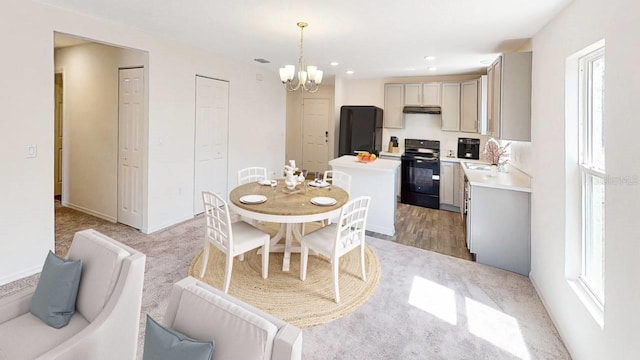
x,y
90,126
295,120
256,110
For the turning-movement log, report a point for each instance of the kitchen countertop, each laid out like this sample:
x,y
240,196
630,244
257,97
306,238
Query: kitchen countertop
x,y
390,154
513,179
377,165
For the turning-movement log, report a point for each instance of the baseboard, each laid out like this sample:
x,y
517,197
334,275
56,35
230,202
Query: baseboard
x,y
451,208
381,230
21,274
90,212
150,230
548,309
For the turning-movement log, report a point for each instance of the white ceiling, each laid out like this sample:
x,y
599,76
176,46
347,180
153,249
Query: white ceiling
x,y
373,38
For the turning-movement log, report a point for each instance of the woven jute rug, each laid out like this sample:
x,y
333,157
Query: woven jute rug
x,y
302,303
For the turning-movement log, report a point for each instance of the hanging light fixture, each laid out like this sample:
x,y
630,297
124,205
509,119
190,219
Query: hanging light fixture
x,y
308,80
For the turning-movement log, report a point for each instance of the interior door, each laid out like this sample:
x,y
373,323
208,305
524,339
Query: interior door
x,y
130,146
57,172
315,129
211,139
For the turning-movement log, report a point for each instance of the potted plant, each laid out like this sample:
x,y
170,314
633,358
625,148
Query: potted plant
x,y
495,154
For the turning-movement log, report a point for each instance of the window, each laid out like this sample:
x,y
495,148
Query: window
x,y
592,170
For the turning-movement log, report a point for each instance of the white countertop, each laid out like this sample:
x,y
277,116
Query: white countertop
x,y
390,154
377,165
513,179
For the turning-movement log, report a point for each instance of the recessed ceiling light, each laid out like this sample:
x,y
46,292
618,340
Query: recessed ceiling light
x,y
429,58
334,63
433,68
349,72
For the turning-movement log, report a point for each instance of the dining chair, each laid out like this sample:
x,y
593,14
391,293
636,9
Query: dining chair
x,y
251,174
338,178
338,239
231,238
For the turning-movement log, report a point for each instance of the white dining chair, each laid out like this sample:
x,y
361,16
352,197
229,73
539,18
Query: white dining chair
x,y
338,178
251,174
338,239
231,238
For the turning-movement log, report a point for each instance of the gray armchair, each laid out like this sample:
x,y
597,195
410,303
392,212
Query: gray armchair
x,y
105,324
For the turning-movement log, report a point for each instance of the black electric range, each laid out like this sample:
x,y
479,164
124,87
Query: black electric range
x,y
421,173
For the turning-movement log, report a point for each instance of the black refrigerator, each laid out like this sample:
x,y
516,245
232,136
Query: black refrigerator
x,y
360,129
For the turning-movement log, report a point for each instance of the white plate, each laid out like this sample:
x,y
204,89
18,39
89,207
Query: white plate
x,y
323,201
265,182
319,184
253,199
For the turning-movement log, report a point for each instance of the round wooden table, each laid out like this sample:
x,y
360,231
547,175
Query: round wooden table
x,y
289,210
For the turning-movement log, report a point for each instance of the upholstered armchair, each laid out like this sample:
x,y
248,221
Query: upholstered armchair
x,y
107,317
239,330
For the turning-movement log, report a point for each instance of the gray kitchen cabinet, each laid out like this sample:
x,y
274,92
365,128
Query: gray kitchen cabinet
x,y
427,94
469,106
499,228
509,97
431,94
450,107
450,190
393,103
413,94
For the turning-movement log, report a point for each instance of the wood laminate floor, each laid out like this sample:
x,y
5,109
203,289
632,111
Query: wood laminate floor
x,y
430,229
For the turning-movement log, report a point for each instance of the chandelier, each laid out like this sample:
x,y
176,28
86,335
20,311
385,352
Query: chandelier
x,y
308,80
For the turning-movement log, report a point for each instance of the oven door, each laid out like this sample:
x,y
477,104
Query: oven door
x,y
421,174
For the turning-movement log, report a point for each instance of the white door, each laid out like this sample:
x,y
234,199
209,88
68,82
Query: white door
x,y
130,146
315,134
57,171
211,138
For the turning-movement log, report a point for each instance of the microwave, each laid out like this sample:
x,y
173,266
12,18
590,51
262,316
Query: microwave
x,y
469,148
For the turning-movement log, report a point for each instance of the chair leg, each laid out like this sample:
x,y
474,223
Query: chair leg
x,y
265,258
227,272
364,275
205,260
241,257
304,256
334,270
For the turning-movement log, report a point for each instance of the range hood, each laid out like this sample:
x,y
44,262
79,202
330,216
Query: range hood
x,y
421,110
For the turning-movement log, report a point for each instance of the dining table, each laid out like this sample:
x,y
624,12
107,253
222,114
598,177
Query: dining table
x,y
272,201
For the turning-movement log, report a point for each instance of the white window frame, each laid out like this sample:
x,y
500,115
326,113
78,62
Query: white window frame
x,y
588,170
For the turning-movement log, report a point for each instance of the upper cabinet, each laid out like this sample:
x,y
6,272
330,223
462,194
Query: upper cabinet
x,y
509,97
413,94
451,106
431,94
427,94
469,106
393,103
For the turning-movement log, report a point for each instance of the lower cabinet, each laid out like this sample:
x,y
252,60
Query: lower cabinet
x,y
450,186
499,228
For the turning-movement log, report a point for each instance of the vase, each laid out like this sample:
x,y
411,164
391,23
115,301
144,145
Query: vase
x,y
494,170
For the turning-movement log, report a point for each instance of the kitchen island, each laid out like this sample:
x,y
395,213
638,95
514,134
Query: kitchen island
x,y
377,179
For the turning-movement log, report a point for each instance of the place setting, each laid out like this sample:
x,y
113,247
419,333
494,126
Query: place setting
x,y
253,199
323,201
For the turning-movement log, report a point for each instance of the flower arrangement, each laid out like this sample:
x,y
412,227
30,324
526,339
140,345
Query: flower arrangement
x,y
494,153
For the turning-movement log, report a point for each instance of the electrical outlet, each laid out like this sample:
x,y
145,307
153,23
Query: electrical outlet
x,y
32,151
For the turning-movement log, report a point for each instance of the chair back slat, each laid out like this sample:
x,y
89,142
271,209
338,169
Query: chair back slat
x,y
251,174
352,224
218,230
338,178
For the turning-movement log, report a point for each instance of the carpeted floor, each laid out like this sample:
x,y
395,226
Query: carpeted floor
x,y
426,306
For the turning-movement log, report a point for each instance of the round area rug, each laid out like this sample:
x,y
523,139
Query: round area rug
x,y
301,303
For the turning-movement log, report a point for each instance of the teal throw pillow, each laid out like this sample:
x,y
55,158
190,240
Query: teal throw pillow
x,y
54,300
161,343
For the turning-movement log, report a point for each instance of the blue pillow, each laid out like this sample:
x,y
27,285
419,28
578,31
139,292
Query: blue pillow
x,y
161,343
54,300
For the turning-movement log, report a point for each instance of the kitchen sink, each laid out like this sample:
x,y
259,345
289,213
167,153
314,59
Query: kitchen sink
x,y
476,166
